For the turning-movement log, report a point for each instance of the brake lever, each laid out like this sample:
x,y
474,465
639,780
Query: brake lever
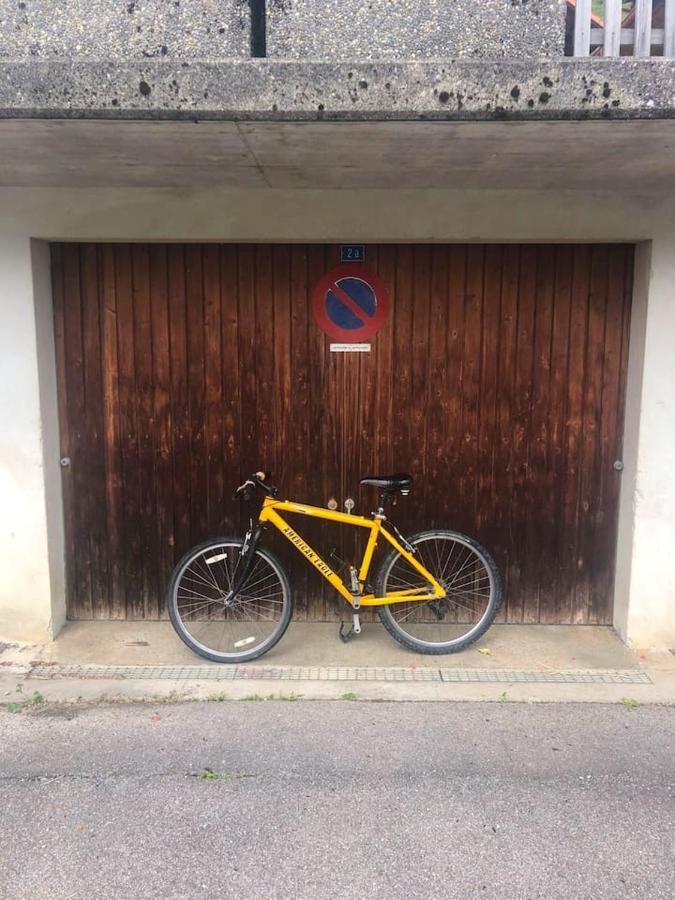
x,y
243,492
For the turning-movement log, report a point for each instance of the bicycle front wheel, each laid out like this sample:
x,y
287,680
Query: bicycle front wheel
x,y
470,579
235,630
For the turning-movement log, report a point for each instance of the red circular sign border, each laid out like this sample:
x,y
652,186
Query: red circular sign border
x,y
325,284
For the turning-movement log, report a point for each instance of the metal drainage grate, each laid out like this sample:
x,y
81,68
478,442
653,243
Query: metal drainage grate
x,y
506,676
342,673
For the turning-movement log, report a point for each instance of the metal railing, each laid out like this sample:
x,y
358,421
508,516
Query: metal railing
x,y
639,28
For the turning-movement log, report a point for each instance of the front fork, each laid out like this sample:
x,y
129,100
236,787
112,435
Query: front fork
x,y
247,560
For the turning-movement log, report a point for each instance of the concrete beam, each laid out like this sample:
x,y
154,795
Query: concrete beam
x,y
636,155
241,90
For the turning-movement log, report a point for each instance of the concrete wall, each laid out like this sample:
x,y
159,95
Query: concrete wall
x,y
124,29
414,29
296,29
31,590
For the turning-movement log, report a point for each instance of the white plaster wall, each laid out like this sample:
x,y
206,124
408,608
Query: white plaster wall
x,y
31,591
645,597
32,606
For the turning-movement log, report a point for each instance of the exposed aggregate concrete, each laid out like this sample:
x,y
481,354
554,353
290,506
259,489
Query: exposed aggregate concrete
x,y
262,89
415,29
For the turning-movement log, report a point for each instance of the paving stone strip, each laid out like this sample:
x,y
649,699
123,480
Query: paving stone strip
x,y
343,673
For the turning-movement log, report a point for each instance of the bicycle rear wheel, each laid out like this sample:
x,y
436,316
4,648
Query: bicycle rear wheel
x,y
473,593
228,631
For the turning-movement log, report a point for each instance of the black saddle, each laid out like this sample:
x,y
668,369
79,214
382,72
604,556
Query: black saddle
x,y
389,484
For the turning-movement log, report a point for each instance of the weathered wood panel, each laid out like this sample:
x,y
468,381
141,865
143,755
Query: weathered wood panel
x,y
498,381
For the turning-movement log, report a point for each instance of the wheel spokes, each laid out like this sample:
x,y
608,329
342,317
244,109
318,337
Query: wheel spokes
x,y
464,575
218,622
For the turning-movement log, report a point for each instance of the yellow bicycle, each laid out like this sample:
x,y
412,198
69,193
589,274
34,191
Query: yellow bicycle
x,y
436,592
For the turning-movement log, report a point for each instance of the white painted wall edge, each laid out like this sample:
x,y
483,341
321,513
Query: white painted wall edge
x,y
424,216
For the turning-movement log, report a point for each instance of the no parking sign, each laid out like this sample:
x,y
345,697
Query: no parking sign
x,y
350,303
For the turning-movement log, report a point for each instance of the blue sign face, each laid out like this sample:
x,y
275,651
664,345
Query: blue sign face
x,y
345,314
350,303
352,253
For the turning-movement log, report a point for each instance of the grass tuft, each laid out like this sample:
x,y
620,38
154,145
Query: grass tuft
x,y
629,703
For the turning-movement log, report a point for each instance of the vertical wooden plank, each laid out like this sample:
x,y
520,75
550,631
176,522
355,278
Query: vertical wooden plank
x,y
194,286
299,399
132,550
365,460
420,374
436,467
93,386
301,405
309,266
612,28
576,369
142,327
340,379
454,439
473,337
213,386
582,28
384,349
231,383
501,544
281,387
112,439
559,573
247,334
180,399
521,602
163,498
487,411
643,28
264,354
541,514
402,320
589,512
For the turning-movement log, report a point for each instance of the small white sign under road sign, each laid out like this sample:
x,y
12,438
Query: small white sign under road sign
x,y
350,348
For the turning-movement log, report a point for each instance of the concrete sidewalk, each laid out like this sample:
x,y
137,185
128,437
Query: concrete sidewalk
x,y
145,660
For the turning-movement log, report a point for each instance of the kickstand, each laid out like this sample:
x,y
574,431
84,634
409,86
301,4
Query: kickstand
x,y
353,631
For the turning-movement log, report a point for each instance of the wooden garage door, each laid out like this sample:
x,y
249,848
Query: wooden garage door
x,y
498,382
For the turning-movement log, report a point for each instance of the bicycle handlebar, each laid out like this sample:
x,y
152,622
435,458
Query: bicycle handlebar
x,y
257,480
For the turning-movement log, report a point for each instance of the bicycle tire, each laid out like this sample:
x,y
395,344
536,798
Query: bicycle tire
x,y
476,629
234,615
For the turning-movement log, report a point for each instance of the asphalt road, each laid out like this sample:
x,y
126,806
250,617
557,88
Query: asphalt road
x,y
337,800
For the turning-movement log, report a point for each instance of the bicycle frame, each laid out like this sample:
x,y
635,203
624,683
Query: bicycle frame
x,y
270,513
